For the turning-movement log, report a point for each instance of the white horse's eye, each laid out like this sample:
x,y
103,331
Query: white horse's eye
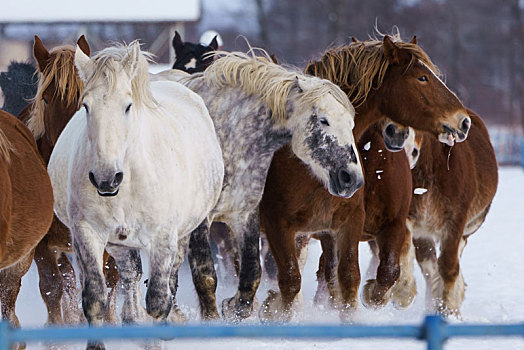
x,y
324,121
128,108
85,106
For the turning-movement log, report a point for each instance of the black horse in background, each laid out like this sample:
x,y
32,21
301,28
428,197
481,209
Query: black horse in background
x,y
18,85
191,57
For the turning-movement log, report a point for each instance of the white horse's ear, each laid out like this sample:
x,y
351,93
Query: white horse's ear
x,y
297,83
130,62
83,64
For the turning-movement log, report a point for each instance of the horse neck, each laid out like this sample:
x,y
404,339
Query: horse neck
x,y
366,115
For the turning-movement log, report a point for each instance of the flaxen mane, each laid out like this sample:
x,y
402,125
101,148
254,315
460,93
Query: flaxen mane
x,y
61,69
361,66
258,76
105,67
5,147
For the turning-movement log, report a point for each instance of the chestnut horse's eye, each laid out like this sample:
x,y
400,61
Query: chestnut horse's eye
x,y
423,78
324,121
85,106
45,101
128,108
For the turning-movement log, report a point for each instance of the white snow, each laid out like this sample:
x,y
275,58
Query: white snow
x,y
492,265
367,146
420,190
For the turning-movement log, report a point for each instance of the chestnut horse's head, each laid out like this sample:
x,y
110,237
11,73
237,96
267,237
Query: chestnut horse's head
x,y
413,94
399,81
192,58
59,89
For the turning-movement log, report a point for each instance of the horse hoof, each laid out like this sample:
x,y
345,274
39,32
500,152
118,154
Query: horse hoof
x,y
235,311
403,296
176,315
96,346
371,298
272,310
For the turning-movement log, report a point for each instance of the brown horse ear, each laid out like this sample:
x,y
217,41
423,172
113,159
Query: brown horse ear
x,y
214,44
414,40
273,58
41,54
84,45
393,53
177,42
353,39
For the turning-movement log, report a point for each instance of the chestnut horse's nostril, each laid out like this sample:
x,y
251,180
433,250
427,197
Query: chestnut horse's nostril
x,y
391,130
118,179
92,179
465,125
414,154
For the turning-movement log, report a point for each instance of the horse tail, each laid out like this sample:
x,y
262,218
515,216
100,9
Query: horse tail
x,y
5,147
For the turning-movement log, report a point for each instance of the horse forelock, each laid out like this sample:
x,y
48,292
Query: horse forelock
x,y
5,147
360,67
105,67
259,76
60,69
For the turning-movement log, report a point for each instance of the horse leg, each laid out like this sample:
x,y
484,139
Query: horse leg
x,y
226,253
71,311
129,266
277,306
327,271
426,255
10,283
112,277
270,266
390,239
241,305
405,290
51,281
348,270
452,295
203,271
162,257
176,314
89,249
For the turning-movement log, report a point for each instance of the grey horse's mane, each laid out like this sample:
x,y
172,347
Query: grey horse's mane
x,y
258,76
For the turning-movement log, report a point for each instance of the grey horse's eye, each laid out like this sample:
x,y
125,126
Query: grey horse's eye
x,y
324,121
85,106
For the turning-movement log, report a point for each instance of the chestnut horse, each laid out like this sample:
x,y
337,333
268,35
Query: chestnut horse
x,y
454,188
26,203
56,101
382,78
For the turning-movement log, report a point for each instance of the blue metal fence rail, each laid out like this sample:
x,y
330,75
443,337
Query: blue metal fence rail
x,y
434,330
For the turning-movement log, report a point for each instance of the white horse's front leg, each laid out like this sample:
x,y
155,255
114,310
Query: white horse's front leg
x,y
161,260
129,266
89,248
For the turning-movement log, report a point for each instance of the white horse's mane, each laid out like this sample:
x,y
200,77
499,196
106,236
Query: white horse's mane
x,y
105,67
259,76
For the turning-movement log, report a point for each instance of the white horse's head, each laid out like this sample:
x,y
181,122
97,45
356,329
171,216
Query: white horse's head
x,y
322,119
116,87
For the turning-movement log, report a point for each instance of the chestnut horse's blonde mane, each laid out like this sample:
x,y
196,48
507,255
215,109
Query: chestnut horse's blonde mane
x,y
360,67
105,68
259,76
5,147
61,69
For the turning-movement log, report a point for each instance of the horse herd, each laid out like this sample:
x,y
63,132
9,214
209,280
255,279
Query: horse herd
x,y
243,145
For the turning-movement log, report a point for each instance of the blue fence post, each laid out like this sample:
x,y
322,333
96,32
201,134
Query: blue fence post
x,y
435,332
5,335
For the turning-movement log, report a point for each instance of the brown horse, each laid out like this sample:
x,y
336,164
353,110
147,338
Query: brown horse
x,y
382,78
26,203
454,188
56,101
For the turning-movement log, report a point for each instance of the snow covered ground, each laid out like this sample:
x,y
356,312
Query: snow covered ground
x,y
492,263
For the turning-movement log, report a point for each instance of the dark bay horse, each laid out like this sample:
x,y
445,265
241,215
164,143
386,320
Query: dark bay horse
x,y
19,85
26,204
382,78
457,186
56,101
190,57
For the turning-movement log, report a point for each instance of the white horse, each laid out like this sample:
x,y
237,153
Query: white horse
x,y
139,166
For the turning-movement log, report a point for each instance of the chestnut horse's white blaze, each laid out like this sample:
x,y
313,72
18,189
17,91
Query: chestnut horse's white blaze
x,y
139,166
